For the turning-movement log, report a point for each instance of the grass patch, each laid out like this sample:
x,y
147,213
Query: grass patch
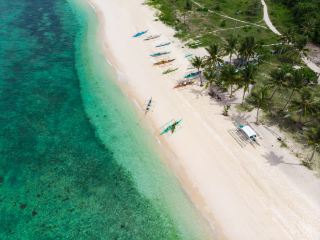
x,y
281,17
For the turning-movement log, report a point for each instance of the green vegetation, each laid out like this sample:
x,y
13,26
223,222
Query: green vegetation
x,y
302,15
198,62
272,78
200,25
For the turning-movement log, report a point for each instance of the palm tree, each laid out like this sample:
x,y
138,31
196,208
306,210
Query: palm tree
x,y
248,75
211,76
231,46
187,7
299,79
248,48
259,99
229,77
313,136
279,78
197,62
286,38
300,43
305,104
214,57
308,27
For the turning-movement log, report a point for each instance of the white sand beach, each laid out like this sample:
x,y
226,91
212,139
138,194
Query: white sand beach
x,y
245,192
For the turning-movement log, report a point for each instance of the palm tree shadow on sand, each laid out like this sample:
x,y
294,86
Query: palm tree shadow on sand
x,y
198,92
240,118
274,160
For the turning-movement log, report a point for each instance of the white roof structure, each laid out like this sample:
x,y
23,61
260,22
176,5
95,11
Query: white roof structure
x,y
248,131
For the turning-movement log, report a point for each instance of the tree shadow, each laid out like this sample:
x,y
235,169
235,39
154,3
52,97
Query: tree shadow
x,y
198,92
274,160
240,118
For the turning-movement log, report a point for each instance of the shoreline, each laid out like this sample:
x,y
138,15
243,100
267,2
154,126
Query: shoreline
x,y
197,187
163,154
163,149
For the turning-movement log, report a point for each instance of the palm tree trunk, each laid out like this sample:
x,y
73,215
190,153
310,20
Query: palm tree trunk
x,y
244,93
200,76
230,57
312,155
285,106
257,117
231,91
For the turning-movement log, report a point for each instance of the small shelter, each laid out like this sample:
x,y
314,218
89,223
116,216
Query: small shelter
x,y
248,131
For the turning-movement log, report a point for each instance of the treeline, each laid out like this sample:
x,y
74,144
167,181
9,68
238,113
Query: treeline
x,y
290,95
306,16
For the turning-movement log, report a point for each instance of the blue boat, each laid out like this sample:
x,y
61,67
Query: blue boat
x,y
140,34
163,44
159,54
192,75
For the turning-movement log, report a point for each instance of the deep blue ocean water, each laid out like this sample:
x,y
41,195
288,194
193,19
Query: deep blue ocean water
x,y
62,173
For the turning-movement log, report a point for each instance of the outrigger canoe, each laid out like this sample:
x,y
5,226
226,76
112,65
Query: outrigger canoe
x,y
184,83
172,127
159,54
192,75
170,70
164,62
140,34
151,37
163,44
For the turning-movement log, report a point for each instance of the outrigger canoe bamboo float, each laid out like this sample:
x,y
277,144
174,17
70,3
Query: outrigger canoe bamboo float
x,y
163,62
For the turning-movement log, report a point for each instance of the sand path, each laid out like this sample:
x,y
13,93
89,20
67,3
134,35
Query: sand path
x,y
268,22
243,195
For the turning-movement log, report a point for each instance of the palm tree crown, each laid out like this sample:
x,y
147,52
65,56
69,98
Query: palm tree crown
x,y
231,46
306,104
248,48
214,57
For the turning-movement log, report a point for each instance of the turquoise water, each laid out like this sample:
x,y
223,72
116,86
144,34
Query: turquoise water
x,y
75,162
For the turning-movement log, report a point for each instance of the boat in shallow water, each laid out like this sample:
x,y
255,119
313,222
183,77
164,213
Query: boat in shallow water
x,y
171,127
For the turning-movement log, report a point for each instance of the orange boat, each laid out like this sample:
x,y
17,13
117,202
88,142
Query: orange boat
x,y
163,62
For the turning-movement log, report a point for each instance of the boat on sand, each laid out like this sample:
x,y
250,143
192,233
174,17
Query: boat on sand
x,y
138,34
157,54
164,62
151,37
184,83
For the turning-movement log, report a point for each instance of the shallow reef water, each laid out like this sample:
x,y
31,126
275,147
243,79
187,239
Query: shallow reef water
x,y
57,180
